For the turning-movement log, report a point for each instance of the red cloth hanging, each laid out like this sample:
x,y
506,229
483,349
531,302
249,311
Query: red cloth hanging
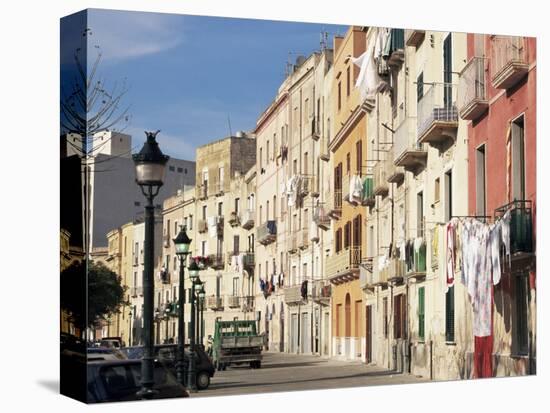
x,y
483,350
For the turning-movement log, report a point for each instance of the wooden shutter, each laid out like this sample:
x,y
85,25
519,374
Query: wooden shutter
x,y
450,315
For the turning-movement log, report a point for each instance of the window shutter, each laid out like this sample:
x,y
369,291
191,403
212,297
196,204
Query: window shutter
x,y
421,313
450,314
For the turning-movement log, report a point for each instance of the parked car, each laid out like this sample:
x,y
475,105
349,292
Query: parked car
x,y
105,353
115,342
167,355
110,381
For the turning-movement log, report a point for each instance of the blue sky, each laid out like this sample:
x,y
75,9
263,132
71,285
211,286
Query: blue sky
x,y
187,74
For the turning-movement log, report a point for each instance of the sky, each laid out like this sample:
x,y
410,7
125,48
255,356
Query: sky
x,y
186,75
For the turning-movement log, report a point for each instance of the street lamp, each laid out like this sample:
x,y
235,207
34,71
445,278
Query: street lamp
x,y
201,324
150,166
195,280
181,243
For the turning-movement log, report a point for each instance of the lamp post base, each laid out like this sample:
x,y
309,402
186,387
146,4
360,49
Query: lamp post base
x,y
146,393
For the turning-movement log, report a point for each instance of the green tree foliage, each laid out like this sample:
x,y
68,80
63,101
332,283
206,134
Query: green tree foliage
x,y
96,288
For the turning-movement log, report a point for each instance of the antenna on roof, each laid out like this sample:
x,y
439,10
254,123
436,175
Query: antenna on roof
x,y
324,39
229,124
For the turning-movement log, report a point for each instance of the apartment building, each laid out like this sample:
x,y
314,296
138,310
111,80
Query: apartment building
x,y
292,227
223,232
136,275
498,102
347,196
177,211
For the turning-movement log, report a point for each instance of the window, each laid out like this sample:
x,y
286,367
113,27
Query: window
x,y
236,244
261,215
137,203
480,181
221,177
175,263
359,156
180,170
420,86
203,248
450,315
447,70
274,206
190,222
520,327
338,240
235,286
267,210
220,209
348,163
385,320
304,271
421,313
400,316
436,190
171,168
261,158
267,153
167,263
168,229
295,166
185,171
448,195
339,95
518,159
420,214
175,227
305,169
348,88
347,235
204,212
306,110
338,315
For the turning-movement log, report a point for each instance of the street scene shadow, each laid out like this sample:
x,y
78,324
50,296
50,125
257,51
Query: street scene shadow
x,y
51,385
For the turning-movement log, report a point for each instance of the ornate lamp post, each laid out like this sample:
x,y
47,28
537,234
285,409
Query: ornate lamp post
x,y
182,243
194,277
150,165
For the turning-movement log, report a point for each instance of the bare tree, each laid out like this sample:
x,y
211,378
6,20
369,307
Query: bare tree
x,y
88,108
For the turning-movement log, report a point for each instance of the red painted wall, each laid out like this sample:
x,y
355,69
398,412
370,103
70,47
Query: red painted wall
x,y
491,128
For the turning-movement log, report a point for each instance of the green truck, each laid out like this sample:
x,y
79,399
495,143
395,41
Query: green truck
x,y
237,342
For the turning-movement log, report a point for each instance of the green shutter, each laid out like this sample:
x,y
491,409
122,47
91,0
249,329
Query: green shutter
x,y
421,313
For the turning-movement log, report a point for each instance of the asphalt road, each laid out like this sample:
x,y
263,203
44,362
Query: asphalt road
x,y
285,372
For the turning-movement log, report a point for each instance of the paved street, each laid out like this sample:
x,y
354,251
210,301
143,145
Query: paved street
x,y
284,372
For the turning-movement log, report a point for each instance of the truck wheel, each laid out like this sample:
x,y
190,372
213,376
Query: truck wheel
x,y
203,380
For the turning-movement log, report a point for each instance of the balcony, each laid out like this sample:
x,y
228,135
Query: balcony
x,y
324,151
414,37
164,276
233,301
293,295
267,232
366,275
335,204
321,218
521,227
247,218
380,181
234,219
344,265
369,198
419,267
397,47
202,226
394,271
315,129
306,185
321,292
133,292
472,91
304,238
214,303
437,115
249,260
202,191
509,60
247,303
293,244
220,188
394,174
217,261
314,187
408,152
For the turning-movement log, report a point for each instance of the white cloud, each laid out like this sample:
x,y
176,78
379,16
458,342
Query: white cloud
x,y
126,35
